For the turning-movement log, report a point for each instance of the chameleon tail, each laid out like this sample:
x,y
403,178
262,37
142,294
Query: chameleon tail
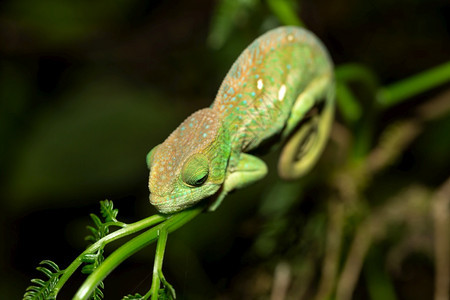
x,y
304,147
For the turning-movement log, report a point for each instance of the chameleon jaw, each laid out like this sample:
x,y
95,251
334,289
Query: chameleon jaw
x,y
163,205
169,207
169,204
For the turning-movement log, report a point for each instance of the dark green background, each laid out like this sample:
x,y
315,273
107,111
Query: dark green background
x,y
87,89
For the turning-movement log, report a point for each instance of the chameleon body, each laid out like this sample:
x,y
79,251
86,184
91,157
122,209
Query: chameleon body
x,y
279,91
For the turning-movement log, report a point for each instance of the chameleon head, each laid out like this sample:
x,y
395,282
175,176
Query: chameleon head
x,y
190,165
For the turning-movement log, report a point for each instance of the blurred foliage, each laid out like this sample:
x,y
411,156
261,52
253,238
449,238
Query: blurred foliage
x,y
59,22
86,89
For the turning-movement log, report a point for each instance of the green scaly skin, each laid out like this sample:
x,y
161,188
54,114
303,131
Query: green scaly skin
x,y
279,91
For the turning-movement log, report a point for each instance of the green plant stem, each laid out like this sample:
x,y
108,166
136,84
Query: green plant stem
x,y
127,230
404,89
357,73
379,284
157,267
349,105
285,12
118,256
347,102
361,117
363,137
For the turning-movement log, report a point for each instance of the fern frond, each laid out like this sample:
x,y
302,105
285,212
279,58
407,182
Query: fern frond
x,y
43,289
98,293
92,261
166,294
96,232
136,296
108,211
163,294
101,229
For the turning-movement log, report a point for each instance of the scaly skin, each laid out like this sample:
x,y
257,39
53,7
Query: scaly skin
x,y
279,90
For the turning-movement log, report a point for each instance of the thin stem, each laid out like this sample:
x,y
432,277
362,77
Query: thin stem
x,y
281,280
364,135
156,282
347,102
379,284
118,256
441,202
333,249
354,261
404,89
357,73
158,276
127,230
393,141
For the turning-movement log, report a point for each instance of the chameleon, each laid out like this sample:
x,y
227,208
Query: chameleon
x,y
279,92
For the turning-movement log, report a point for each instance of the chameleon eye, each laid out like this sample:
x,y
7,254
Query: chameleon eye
x,y
195,170
150,156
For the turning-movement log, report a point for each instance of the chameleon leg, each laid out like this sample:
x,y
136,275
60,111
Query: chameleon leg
x,y
248,170
304,147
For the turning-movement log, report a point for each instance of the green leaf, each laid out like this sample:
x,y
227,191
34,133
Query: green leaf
x,y
44,289
101,229
227,15
285,12
108,211
136,296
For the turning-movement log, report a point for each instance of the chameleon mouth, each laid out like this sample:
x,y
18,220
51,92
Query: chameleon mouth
x,y
164,205
175,202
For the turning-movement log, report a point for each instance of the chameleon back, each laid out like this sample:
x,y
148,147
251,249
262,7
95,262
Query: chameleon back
x,y
257,95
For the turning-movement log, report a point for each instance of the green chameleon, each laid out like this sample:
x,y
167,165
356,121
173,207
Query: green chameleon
x,y
279,91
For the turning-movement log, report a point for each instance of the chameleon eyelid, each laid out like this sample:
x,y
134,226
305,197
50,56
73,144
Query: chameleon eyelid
x,y
195,170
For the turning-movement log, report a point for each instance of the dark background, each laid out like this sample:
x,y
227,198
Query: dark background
x,y
87,89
